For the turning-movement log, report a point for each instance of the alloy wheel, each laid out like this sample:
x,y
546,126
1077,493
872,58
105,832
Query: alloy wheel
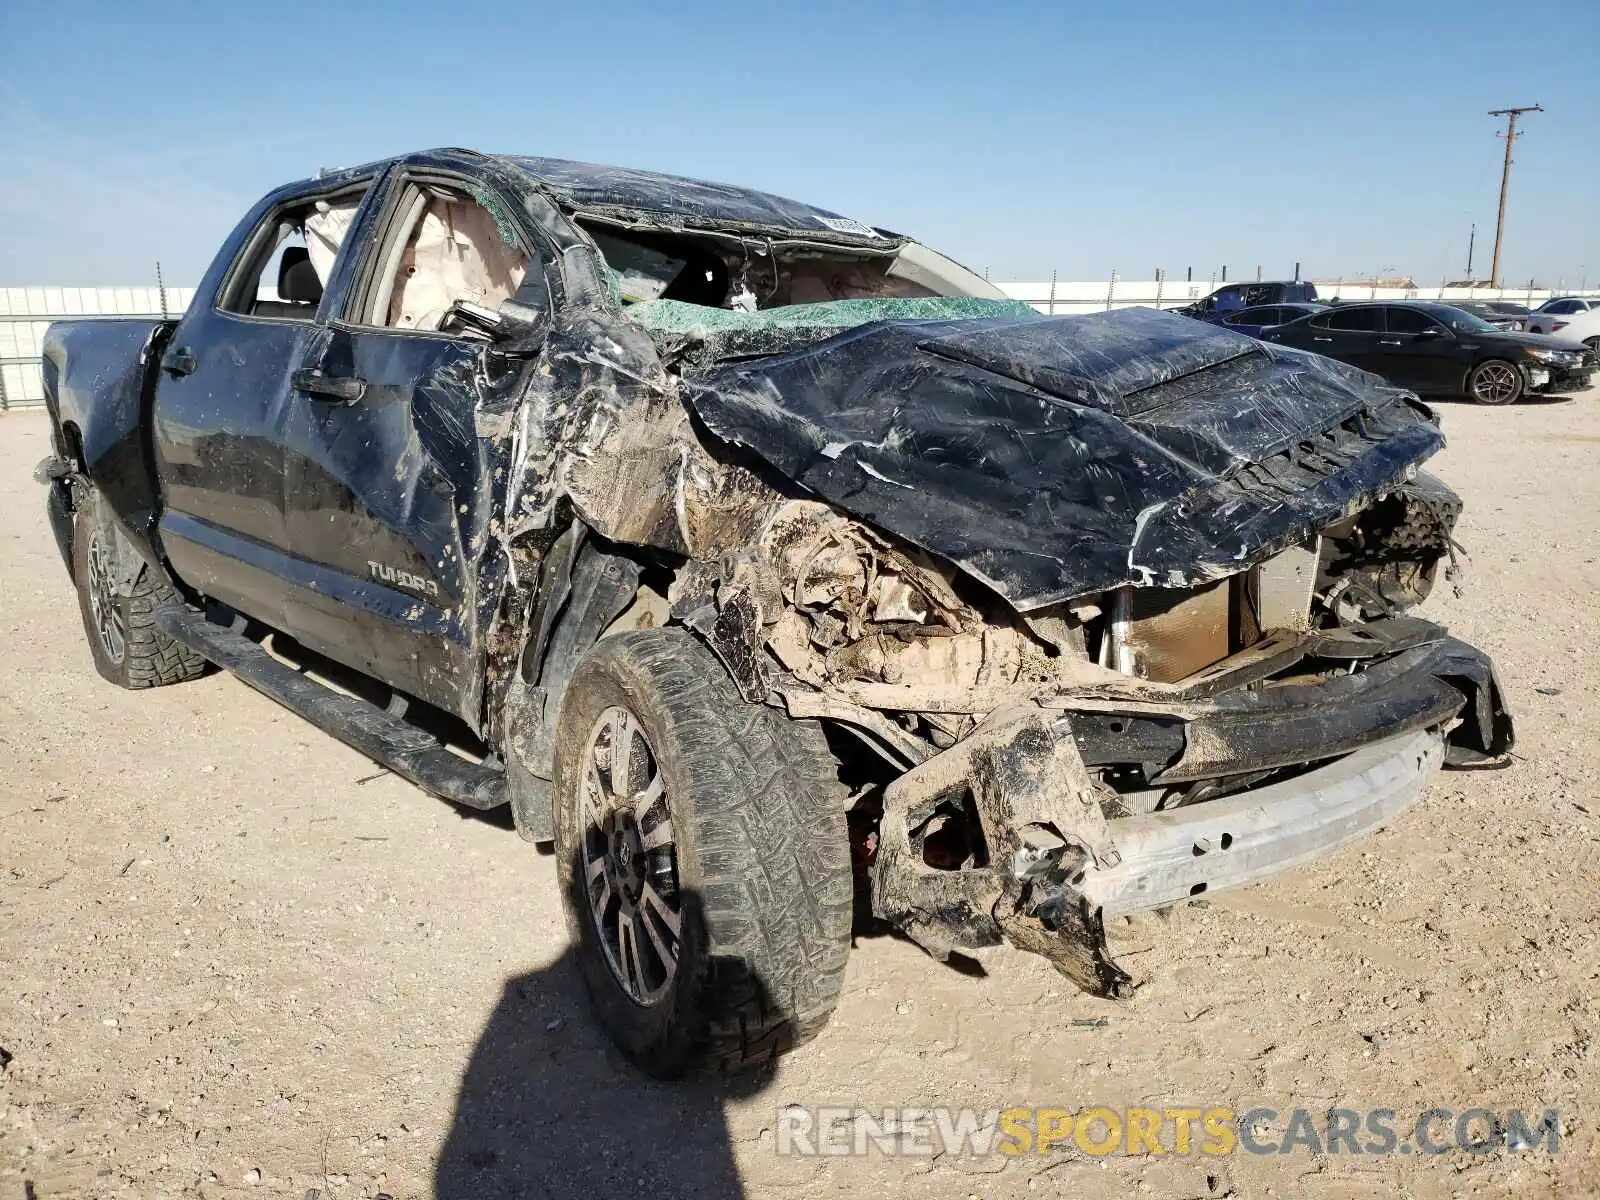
x,y
109,623
1495,383
630,865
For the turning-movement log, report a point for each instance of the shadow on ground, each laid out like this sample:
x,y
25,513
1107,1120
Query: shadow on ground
x,y
548,1108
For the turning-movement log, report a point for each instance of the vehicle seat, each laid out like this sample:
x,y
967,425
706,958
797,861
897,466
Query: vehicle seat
x,y
299,289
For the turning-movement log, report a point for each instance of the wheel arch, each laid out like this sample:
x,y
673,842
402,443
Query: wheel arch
x,y
585,583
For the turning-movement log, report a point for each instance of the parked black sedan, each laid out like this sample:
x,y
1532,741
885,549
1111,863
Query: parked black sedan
x,y
1439,350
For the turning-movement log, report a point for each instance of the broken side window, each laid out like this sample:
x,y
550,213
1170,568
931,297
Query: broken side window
x,y
751,273
286,263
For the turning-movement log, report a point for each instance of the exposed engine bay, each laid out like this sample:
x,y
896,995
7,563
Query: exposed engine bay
x,y
1143,700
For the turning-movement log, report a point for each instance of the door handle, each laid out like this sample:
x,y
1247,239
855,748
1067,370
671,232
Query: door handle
x,y
1317,339
346,389
1388,341
179,362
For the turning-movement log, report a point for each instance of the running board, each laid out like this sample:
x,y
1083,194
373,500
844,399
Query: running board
x,y
409,752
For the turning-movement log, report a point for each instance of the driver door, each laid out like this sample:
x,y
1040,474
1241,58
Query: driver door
x,y
1351,335
220,399
391,488
1419,352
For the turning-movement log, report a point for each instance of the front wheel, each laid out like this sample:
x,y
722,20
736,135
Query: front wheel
x,y
704,858
1495,382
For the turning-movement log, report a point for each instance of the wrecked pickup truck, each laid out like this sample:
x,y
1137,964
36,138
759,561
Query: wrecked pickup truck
x,y
776,568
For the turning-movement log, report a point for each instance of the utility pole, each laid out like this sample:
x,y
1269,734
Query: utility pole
x,y
1511,115
1471,239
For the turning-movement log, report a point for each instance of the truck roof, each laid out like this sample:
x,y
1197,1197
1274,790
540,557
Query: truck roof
x,y
591,187
622,192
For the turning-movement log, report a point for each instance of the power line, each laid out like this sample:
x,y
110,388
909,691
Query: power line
x,y
1511,115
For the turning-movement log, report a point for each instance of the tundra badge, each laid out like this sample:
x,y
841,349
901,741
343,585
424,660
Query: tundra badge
x,y
403,579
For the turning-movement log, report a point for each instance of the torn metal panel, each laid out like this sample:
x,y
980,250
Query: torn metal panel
x,y
686,203
1054,834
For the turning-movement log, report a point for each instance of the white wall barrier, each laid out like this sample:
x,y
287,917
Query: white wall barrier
x,y
26,312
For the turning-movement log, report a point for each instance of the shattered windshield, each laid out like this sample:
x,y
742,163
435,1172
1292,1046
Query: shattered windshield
x,y
744,273
640,273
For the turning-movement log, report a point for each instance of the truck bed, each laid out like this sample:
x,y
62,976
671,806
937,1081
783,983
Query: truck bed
x,y
97,377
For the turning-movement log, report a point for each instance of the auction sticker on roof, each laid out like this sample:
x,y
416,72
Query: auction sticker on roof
x,y
846,225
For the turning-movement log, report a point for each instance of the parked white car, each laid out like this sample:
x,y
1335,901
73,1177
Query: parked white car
x,y
1550,316
1579,327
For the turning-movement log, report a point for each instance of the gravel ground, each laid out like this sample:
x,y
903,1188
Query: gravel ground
x,y
238,960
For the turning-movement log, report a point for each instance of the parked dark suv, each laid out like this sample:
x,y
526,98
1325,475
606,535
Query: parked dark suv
x,y
1236,297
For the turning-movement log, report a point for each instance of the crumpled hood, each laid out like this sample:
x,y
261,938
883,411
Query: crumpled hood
x,y
1054,457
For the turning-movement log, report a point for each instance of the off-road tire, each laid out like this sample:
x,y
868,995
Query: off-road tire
x,y
763,860
1478,373
149,657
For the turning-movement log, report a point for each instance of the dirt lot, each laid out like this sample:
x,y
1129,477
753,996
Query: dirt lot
x,y
236,959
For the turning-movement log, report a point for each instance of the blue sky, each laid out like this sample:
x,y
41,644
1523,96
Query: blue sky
x,y
1021,138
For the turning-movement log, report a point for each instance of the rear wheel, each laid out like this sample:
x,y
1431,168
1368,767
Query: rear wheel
x,y
704,858
1495,382
119,619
